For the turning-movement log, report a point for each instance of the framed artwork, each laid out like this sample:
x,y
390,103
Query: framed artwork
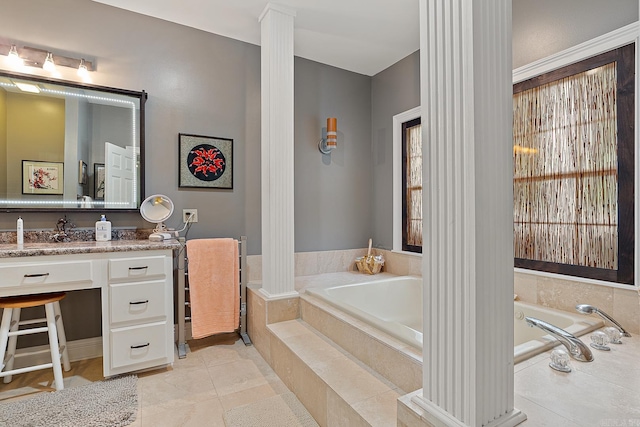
x,y
98,181
205,162
82,173
42,177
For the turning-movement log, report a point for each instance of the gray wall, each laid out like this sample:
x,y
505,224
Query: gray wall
x,y
393,91
540,28
544,27
332,192
206,84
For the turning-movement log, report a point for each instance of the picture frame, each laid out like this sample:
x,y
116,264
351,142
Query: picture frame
x,y
41,177
205,162
82,173
98,181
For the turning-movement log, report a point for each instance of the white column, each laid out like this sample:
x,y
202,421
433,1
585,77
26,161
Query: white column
x,y
276,24
465,62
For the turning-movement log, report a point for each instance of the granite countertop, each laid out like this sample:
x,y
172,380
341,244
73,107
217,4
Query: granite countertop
x,y
12,250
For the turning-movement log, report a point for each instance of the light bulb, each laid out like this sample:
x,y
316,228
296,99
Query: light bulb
x,y
14,58
49,65
82,70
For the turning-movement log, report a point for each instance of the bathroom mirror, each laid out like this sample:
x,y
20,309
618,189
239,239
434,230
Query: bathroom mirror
x,y
69,146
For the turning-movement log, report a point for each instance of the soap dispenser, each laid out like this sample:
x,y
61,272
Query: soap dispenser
x,y
103,230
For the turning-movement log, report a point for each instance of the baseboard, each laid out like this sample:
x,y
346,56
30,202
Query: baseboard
x,y
87,348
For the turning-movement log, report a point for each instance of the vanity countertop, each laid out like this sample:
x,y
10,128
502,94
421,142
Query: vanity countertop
x,y
83,247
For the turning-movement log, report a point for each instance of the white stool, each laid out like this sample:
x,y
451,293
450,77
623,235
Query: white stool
x,y
9,334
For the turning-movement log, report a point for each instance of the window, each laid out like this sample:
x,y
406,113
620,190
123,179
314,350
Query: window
x,y
412,186
573,131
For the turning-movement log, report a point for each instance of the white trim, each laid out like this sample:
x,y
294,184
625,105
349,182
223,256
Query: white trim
x,y
398,120
612,40
413,254
88,348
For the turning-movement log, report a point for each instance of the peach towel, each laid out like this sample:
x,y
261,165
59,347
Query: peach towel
x,y
214,286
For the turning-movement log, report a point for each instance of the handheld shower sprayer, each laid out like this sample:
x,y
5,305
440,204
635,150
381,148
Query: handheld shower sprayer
x,y
589,309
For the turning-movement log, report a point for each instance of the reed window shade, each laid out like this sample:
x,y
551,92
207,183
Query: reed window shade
x,y
573,169
412,186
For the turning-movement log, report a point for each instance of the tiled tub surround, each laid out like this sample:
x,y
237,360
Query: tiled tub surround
x,y
602,393
314,263
620,302
401,364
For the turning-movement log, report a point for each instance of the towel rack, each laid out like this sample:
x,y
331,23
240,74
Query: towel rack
x,y
184,303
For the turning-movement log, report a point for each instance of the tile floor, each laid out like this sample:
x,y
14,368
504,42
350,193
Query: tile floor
x,y
221,373
218,374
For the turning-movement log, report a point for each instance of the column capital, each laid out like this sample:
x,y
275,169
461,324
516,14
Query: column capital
x,y
277,8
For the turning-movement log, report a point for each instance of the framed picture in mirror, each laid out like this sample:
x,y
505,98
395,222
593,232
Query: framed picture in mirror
x,y
82,173
40,177
98,181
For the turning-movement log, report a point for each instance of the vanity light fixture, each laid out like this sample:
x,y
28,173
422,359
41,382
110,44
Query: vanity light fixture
x,y
328,144
14,58
82,69
39,58
49,65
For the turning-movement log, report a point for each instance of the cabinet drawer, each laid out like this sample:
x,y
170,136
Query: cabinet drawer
x,y
138,344
137,301
139,268
45,273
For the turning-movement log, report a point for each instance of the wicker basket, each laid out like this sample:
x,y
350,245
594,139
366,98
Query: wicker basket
x,y
370,264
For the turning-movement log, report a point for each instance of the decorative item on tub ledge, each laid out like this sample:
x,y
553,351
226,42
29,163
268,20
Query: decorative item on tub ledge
x,y
205,162
328,144
370,264
157,209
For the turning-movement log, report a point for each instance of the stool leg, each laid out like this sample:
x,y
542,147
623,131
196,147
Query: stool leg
x,y
62,337
11,349
4,334
53,344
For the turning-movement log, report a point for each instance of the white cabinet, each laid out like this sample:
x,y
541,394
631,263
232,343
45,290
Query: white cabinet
x,y
140,317
137,298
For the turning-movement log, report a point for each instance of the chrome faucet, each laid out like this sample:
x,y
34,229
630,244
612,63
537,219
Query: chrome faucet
x,y
61,228
577,349
589,309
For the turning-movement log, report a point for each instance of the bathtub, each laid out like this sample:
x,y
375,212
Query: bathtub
x,y
394,306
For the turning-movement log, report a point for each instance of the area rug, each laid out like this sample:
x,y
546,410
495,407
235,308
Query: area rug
x,y
283,410
108,403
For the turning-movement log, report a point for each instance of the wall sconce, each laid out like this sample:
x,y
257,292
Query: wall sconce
x,y
328,144
38,58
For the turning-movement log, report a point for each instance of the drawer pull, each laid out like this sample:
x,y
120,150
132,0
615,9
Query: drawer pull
x,y
37,275
139,346
139,268
139,302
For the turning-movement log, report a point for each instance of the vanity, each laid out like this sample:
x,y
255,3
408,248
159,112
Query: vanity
x,y
135,278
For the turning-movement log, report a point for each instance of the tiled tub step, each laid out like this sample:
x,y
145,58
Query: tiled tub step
x,y
396,361
335,388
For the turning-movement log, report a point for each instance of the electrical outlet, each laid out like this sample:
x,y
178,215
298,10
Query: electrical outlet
x,y
190,213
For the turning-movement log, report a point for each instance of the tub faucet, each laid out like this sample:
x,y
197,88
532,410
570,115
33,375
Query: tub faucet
x,y
589,309
577,349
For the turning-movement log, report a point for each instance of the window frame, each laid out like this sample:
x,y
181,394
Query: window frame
x,y
405,246
625,56
398,119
